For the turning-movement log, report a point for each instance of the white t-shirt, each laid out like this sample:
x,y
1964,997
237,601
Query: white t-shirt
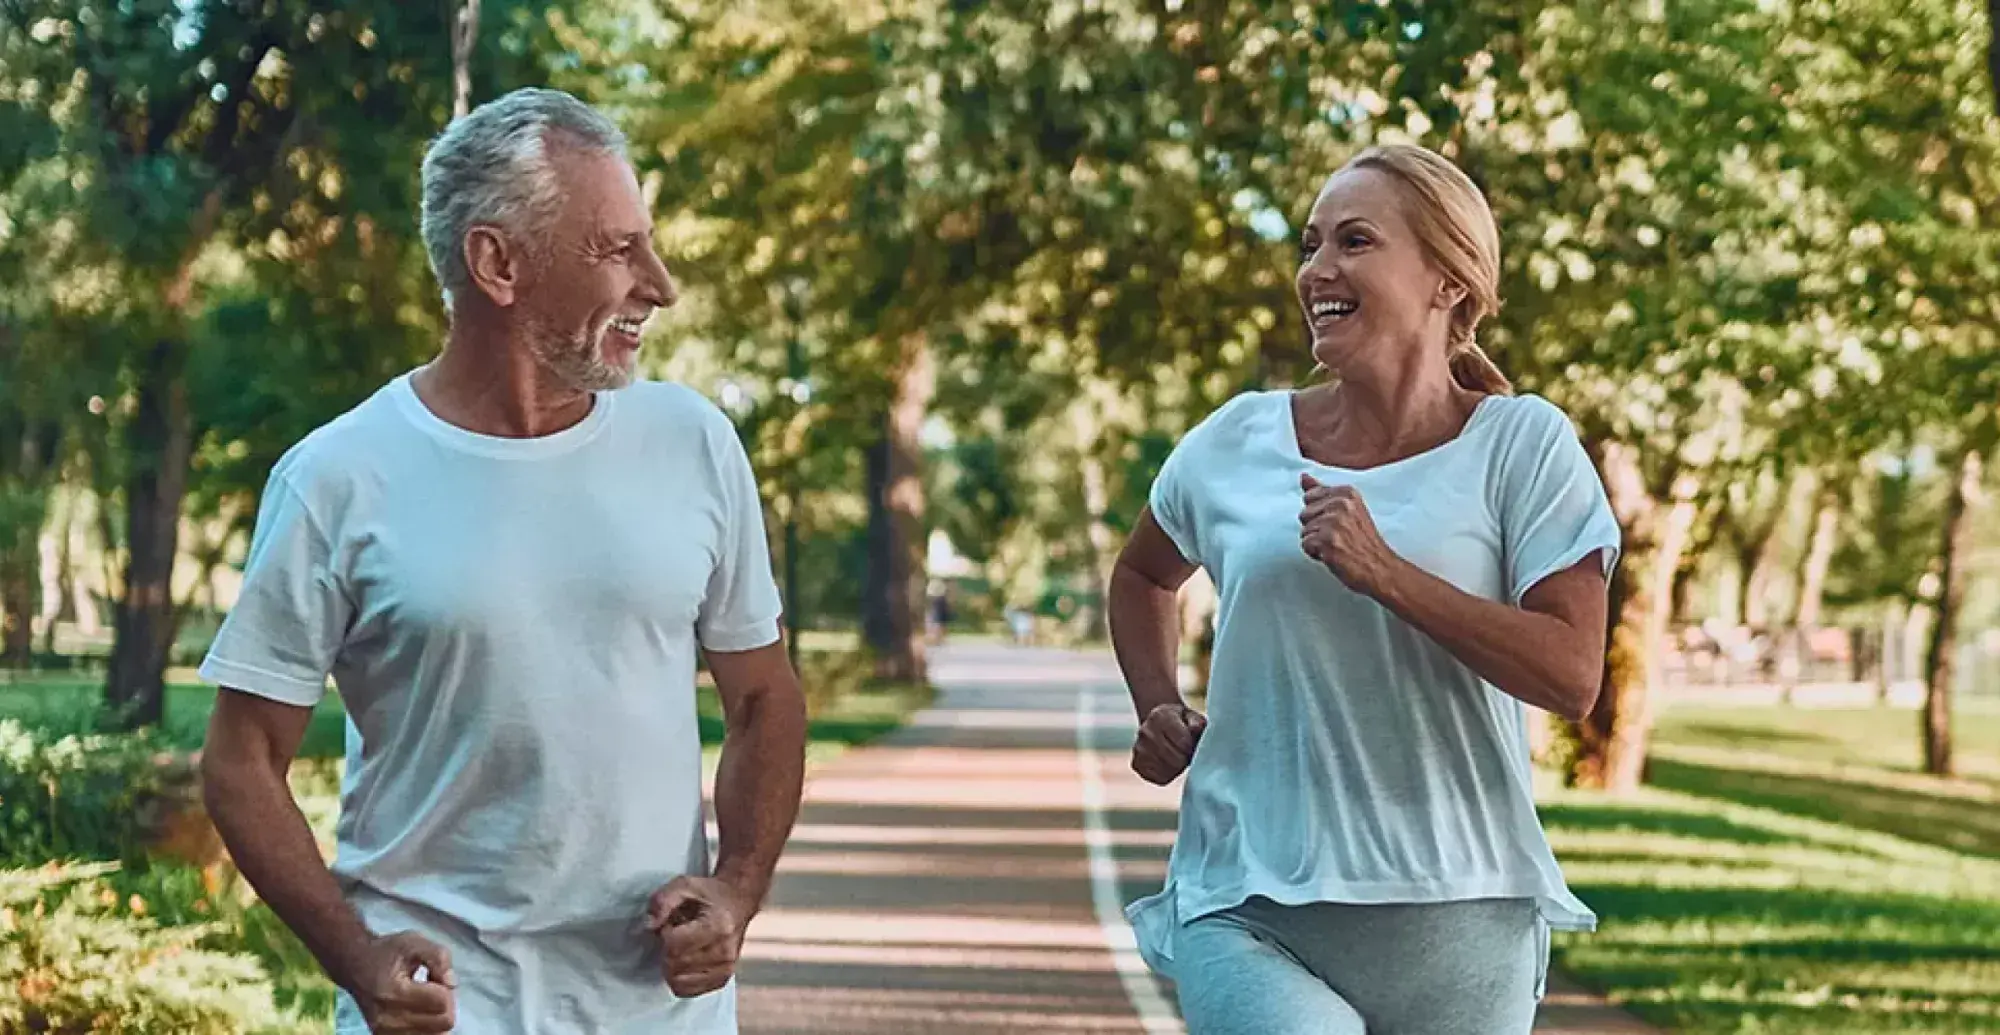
x,y
1348,756
513,626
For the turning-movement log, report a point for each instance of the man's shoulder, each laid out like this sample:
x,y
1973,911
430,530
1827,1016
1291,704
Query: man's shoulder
x,y
670,406
342,447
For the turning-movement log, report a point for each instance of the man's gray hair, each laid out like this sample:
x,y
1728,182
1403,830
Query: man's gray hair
x,y
492,167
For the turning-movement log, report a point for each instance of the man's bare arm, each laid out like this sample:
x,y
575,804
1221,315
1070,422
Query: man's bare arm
x,y
760,779
251,744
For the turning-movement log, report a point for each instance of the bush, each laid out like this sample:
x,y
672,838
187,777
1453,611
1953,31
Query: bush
x,y
76,957
94,796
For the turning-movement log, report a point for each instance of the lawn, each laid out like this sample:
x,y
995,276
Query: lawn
x,y
1788,871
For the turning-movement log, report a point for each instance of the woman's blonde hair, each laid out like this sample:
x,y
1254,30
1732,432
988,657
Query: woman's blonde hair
x,y
1455,227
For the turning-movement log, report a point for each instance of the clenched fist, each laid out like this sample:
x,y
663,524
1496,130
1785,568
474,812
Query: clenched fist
x,y
700,923
1336,530
1166,743
405,986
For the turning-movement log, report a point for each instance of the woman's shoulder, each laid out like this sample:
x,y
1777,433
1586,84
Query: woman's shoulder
x,y
1241,418
1530,419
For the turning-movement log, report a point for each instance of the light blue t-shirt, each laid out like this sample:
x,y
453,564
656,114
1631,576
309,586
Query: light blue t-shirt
x,y
1348,757
513,626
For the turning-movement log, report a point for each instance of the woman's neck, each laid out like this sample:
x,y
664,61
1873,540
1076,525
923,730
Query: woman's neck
x,y
1363,421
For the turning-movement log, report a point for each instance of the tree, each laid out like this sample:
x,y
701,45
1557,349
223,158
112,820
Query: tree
x,y
1921,134
212,143
1635,160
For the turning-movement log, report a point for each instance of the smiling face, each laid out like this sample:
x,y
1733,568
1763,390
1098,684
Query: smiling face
x,y
1365,282
583,313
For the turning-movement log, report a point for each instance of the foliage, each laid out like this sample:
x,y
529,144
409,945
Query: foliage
x,y
76,796
76,957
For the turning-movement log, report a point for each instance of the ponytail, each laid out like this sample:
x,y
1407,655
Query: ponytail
x,y
1473,369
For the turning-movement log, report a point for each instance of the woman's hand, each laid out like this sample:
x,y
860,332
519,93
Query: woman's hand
x,y
1335,530
1166,742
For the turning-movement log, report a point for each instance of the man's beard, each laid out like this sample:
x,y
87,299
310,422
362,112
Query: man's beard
x,y
577,360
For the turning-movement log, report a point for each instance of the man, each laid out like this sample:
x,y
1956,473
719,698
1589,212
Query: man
x,y
507,560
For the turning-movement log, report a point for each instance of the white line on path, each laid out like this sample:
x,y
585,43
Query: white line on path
x,y
1155,1015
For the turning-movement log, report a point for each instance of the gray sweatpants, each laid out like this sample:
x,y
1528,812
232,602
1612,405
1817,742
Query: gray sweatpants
x,y
1448,968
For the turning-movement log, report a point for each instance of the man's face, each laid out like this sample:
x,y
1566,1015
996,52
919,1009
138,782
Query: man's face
x,y
584,311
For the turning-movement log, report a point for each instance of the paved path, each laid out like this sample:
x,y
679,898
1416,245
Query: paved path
x,y
964,875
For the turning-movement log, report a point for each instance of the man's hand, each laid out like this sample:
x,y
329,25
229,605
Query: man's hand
x,y
1166,742
700,921
404,986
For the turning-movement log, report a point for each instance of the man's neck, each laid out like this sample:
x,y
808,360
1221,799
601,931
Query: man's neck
x,y
486,381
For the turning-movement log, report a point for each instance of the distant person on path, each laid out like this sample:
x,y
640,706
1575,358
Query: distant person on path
x,y
1404,555
508,559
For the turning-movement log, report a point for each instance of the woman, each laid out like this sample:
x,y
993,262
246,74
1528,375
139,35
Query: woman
x,y
1405,555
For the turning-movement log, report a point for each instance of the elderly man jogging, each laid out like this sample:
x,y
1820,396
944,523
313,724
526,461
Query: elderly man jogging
x,y
508,559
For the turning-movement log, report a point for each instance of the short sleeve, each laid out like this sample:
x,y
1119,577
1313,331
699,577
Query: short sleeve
x,y
1172,510
1554,512
741,608
281,638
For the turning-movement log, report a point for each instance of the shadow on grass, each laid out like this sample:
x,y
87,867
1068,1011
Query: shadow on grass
x,y
1960,824
1653,820
1907,1014
1779,960
1655,859
1723,733
1955,919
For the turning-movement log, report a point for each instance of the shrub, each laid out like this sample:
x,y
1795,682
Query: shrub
x,y
77,958
94,796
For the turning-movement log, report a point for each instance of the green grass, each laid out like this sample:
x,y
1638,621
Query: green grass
x,y
1789,871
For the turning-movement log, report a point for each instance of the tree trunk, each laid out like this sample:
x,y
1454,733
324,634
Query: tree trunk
x,y
1612,739
893,592
1939,659
464,40
24,508
1819,558
1087,426
1889,660
62,580
1683,592
20,578
1103,545
1757,550
159,442
1794,647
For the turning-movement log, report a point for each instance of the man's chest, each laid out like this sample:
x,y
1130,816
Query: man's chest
x,y
502,557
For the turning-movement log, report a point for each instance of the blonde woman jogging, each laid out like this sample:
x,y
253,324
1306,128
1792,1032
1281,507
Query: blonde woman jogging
x,y
1405,555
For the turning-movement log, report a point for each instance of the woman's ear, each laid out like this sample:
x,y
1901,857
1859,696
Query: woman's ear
x,y
1449,295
